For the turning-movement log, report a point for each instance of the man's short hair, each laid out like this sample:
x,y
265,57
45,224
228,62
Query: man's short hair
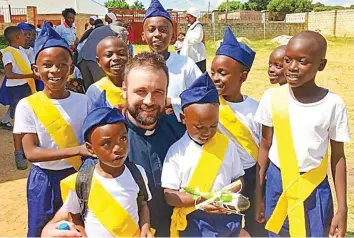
x,y
146,60
67,11
10,32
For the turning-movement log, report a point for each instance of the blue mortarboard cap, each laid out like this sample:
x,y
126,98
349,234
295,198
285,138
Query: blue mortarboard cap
x,y
24,26
156,10
47,38
201,91
101,114
236,50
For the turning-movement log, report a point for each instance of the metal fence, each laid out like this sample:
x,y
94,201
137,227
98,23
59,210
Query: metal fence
x,y
13,15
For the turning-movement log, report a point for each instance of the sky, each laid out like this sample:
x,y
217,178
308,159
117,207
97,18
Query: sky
x,y
203,4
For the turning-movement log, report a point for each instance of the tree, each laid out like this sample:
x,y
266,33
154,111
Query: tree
x,y
290,6
233,5
351,7
137,5
119,4
257,5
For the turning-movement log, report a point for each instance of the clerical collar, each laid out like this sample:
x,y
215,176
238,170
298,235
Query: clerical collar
x,y
139,130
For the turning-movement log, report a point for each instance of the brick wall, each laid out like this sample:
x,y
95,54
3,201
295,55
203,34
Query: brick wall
x,y
3,26
323,22
345,23
253,31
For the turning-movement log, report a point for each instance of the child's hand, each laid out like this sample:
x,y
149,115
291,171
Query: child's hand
x,y
259,210
53,231
145,231
83,151
338,225
214,209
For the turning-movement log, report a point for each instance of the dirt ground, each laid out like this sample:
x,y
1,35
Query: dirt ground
x,y
338,77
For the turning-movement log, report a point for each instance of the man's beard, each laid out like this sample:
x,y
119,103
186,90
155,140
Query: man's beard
x,y
137,113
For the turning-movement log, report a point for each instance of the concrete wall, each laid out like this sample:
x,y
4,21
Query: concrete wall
x,y
253,31
345,23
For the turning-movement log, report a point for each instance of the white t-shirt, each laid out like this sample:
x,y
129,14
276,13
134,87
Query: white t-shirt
x,y
179,44
245,111
123,189
7,58
182,72
30,54
74,110
93,92
312,125
182,158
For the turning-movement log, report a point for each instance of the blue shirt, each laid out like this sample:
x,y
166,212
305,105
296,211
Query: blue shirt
x,y
67,33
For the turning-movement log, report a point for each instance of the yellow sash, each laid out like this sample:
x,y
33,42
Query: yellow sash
x,y
210,161
23,66
296,188
114,94
237,129
57,127
107,210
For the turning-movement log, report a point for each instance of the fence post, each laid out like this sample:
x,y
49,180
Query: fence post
x,y
32,15
10,13
335,23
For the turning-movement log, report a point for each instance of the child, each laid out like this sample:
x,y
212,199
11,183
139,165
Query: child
x,y
229,70
114,191
19,81
27,31
275,68
299,121
50,122
179,42
112,55
202,158
157,32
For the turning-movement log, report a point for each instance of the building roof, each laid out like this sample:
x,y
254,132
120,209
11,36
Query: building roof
x,y
57,6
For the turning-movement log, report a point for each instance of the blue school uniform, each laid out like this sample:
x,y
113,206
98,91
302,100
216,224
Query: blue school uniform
x,y
318,206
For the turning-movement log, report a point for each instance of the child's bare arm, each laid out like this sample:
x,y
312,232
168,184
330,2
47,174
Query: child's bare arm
x,y
11,75
34,153
262,166
339,174
144,221
178,199
79,224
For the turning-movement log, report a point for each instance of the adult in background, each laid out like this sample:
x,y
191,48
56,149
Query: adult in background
x,y
67,30
92,21
110,18
89,68
192,44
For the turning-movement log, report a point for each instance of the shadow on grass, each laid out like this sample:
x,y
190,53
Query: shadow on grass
x,y
350,234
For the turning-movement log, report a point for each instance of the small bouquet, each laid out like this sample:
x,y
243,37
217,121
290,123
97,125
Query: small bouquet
x,y
232,202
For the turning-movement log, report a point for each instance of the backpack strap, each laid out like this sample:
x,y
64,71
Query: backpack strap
x,y
82,187
143,194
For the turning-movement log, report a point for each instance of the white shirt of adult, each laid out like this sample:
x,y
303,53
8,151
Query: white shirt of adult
x,y
182,73
123,189
73,109
245,111
312,126
193,46
182,158
8,58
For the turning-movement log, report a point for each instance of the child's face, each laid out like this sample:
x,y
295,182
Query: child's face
x,y
302,61
28,38
157,33
53,66
20,38
201,121
112,55
180,37
275,67
110,144
228,75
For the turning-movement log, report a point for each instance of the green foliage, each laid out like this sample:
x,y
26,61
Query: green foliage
x,y
137,5
257,5
328,8
233,6
290,6
118,4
